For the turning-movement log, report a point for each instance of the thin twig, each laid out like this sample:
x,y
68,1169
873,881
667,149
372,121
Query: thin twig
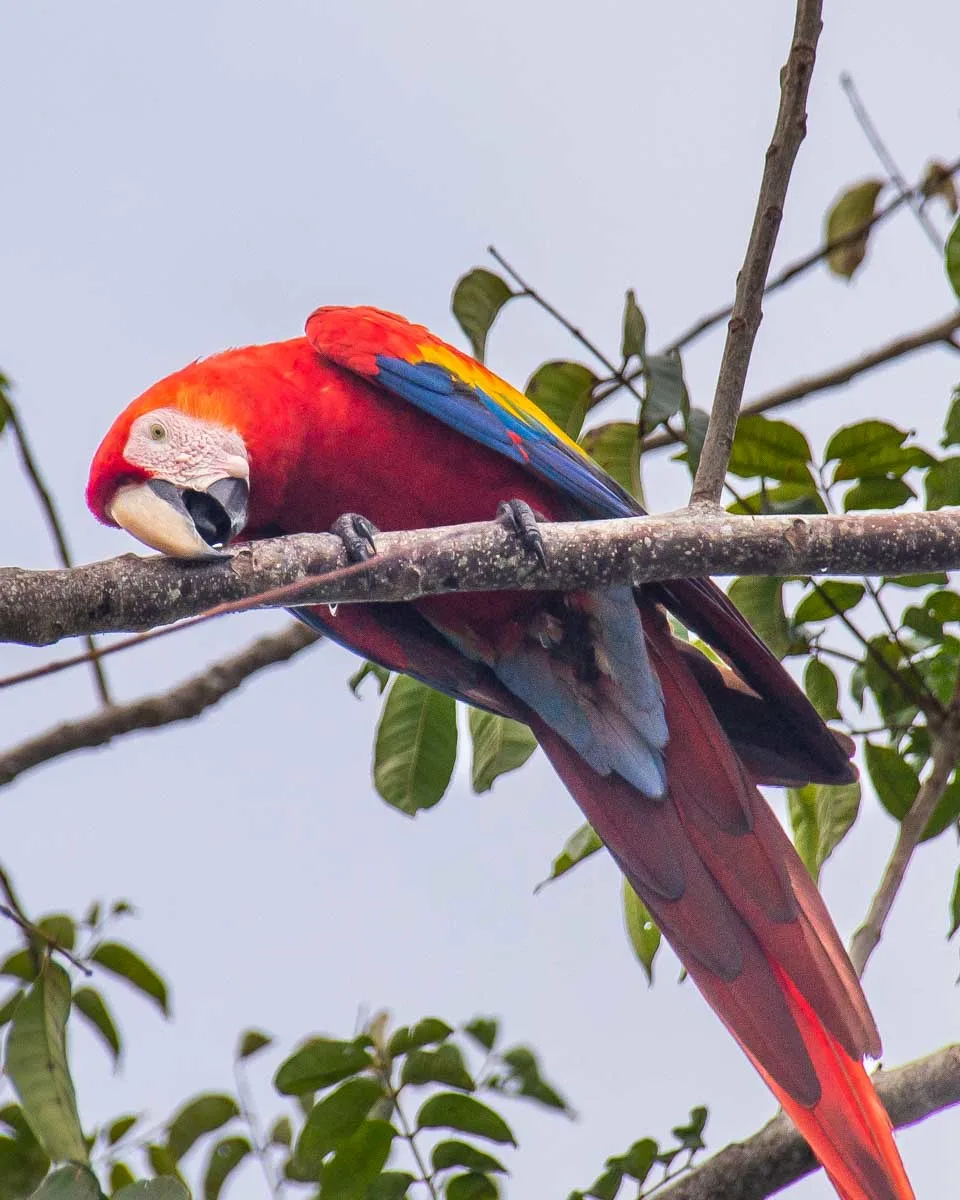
x,y
939,332
260,1146
789,132
13,910
790,272
55,526
181,703
888,162
617,373
945,754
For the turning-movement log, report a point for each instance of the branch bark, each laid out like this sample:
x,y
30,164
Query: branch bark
x,y
789,132
181,703
132,593
777,1155
940,332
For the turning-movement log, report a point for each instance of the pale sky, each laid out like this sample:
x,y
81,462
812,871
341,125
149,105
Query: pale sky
x,y
183,177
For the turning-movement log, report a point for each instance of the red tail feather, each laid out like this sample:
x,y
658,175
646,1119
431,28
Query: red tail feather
x,y
721,878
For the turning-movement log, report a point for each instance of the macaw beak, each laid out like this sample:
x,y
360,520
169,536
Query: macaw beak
x,y
179,521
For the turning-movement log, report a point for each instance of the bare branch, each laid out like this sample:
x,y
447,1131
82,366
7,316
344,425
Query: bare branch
x,y
55,526
131,593
808,385
789,132
185,701
945,753
777,1155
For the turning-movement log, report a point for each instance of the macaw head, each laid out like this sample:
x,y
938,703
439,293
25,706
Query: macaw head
x,y
174,470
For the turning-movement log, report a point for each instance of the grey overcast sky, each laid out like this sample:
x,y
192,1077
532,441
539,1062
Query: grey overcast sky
x,y
182,177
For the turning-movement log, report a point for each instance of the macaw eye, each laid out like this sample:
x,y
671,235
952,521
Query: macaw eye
x,y
158,432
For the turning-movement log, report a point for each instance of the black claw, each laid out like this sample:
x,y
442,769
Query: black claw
x,y
521,520
357,534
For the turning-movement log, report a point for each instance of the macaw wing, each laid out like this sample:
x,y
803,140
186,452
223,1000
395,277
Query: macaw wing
x,y
408,362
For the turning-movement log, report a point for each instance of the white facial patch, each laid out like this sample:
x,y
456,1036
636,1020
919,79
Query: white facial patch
x,y
187,451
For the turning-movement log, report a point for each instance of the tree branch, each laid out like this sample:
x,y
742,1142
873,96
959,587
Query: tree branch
x,y
777,1155
945,753
789,132
181,703
809,385
132,593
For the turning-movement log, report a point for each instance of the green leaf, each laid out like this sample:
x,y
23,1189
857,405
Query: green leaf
x,y
772,449
9,1007
952,258
895,781
881,492
641,929
69,1183
416,746
319,1063
579,846
162,1161
120,960
951,426
477,300
927,579
252,1042
694,434
121,1126
444,1065
943,484
23,1163
334,1119
563,391
484,1031
36,1063
821,817
616,448
198,1117
607,1185
823,691
851,211
638,1159
690,1135
786,499
281,1133
224,1159
955,907
21,964
524,1079
666,390
426,1032
472,1186
873,448
453,1110
380,674
93,1008
357,1162
499,745
945,812
454,1153
120,1176
826,598
165,1188
392,1185
633,343
760,599
61,927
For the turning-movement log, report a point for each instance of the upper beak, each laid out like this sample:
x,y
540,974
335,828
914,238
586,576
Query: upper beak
x,y
179,521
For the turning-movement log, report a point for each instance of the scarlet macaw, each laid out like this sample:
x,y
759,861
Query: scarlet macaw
x,y
371,419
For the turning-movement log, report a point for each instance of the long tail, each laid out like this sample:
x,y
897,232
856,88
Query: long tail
x,y
727,888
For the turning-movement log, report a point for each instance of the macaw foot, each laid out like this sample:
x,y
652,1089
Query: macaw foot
x,y
519,518
357,535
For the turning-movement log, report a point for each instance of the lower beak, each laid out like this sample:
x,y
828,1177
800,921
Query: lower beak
x,y
179,521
